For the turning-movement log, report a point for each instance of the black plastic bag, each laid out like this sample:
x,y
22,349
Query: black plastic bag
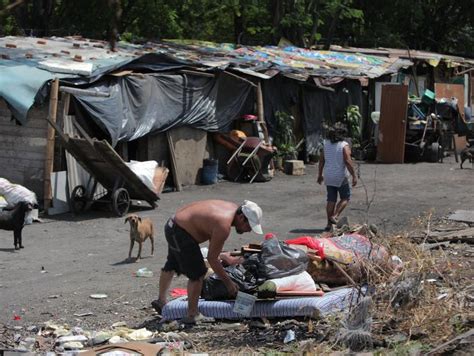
x,y
278,260
214,289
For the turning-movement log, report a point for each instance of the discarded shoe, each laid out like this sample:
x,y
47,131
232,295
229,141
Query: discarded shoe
x,y
197,319
158,305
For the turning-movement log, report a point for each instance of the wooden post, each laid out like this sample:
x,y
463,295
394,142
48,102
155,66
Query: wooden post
x,y
262,123
174,166
261,113
48,162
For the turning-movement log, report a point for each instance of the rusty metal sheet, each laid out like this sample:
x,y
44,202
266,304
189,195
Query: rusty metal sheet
x,y
443,90
392,128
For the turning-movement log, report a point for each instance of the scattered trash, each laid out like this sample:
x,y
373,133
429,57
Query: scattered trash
x,y
178,292
289,337
71,338
119,324
140,334
73,345
98,296
80,315
54,296
16,317
144,272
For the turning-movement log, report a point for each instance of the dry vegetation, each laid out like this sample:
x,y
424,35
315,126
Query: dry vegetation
x,y
415,310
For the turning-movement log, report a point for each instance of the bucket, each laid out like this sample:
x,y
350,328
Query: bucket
x,y
244,304
209,171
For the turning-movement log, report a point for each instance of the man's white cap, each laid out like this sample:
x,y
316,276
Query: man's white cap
x,y
253,213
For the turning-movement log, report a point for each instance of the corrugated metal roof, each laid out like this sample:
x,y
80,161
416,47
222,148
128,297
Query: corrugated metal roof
x,y
28,62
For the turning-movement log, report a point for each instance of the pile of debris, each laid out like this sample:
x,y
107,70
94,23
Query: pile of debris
x,y
425,304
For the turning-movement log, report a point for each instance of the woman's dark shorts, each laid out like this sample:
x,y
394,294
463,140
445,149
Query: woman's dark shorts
x,y
344,192
184,253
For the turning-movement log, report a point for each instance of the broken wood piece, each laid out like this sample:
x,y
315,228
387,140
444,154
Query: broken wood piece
x,y
465,235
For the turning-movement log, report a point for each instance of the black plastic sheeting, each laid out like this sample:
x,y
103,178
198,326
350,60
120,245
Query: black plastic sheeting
x,y
315,104
142,104
321,105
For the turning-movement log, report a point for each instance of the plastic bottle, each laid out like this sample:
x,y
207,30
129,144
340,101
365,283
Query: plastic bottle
x,y
144,272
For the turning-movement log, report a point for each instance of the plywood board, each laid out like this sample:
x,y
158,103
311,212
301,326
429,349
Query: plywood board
x,y
188,147
392,127
460,142
443,90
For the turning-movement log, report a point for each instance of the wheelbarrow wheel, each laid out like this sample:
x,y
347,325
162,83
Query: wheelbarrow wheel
x,y
120,202
435,152
78,199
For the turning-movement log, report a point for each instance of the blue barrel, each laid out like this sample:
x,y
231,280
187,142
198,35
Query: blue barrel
x,y
209,171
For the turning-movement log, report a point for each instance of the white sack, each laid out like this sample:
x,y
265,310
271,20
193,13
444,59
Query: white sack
x,y
145,171
302,282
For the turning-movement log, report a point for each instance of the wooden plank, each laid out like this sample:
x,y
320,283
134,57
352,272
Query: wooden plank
x,y
8,130
23,143
49,158
460,143
443,90
33,155
174,167
188,148
392,129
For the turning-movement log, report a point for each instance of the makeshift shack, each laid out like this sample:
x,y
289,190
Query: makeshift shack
x,y
159,101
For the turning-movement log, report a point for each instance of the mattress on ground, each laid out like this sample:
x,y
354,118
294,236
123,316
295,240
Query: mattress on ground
x,y
331,302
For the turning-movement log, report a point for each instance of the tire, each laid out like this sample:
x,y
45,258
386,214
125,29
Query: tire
x,y
435,152
78,199
120,202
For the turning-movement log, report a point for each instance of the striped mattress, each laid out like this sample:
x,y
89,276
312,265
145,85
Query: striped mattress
x,y
331,302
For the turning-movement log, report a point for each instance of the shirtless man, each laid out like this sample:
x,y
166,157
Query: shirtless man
x,y
193,224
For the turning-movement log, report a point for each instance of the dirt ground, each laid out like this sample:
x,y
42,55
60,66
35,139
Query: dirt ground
x,y
66,258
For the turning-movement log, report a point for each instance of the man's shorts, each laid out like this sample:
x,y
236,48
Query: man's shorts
x,y
184,253
344,192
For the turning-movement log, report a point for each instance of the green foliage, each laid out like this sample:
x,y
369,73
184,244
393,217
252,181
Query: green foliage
x,y
284,138
443,26
354,120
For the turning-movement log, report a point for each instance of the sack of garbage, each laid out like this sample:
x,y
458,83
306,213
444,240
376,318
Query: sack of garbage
x,y
15,193
214,289
277,259
12,194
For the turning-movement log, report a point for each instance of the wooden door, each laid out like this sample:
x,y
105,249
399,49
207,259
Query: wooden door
x,y
392,126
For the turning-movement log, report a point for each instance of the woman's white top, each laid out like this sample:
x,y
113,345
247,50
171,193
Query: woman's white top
x,y
335,171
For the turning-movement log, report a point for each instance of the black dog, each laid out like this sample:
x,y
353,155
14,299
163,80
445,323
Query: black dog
x,y
467,154
14,220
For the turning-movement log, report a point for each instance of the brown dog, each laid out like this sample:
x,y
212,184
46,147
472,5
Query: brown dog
x,y
140,230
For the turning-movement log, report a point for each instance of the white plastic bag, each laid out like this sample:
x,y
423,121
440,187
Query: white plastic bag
x,y
145,171
302,282
15,193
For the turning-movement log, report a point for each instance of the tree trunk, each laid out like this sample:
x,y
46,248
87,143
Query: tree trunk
x,y
332,29
116,14
315,17
277,12
238,25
